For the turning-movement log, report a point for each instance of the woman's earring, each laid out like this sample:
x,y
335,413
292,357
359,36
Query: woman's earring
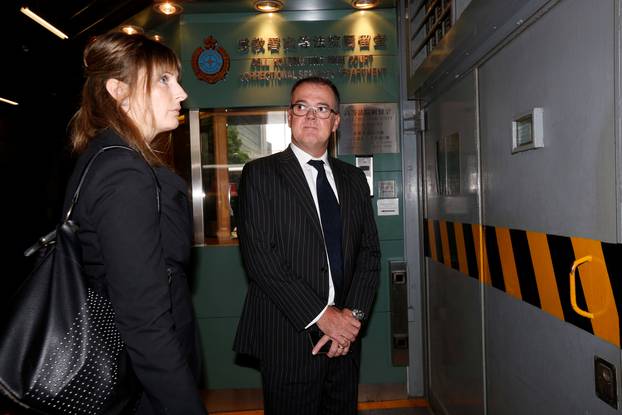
x,y
125,104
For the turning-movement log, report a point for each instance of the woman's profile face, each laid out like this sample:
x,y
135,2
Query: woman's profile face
x,y
158,113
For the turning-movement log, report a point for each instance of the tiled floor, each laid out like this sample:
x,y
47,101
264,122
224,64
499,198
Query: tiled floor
x,y
385,399
421,410
398,411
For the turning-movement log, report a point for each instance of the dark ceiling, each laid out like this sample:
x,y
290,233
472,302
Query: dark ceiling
x,y
36,64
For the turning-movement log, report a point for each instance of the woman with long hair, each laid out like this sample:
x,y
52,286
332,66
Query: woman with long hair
x,y
136,243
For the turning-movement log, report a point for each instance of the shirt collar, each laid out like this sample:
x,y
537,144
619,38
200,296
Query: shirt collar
x,y
304,157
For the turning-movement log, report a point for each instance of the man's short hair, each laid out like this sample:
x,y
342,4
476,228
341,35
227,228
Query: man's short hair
x,y
318,81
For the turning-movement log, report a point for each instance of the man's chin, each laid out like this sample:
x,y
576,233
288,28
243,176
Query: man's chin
x,y
313,138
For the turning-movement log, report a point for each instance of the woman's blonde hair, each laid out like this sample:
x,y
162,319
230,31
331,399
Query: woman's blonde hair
x,y
123,57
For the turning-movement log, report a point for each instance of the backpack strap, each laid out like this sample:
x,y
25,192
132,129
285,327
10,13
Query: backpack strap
x,y
76,194
50,238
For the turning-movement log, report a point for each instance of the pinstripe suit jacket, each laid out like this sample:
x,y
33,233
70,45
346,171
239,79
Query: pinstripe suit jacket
x,y
283,251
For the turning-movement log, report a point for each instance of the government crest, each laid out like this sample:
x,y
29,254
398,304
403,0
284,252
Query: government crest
x,y
211,63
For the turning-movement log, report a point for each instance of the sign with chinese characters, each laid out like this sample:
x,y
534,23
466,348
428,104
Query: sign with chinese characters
x,y
368,129
260,45
277,58
357,51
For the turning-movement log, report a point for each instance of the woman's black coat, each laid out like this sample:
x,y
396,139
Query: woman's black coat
x,y
140,257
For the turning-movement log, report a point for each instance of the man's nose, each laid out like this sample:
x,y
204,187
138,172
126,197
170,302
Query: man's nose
x,y
311,112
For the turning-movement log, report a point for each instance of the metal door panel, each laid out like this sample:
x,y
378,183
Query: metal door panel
x,y
564,63
537,365
456,380
455,342
453,113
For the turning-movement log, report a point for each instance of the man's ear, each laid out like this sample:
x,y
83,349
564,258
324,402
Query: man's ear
x,y
336,122
117,89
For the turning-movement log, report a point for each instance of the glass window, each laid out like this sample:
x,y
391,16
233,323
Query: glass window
x,y
229,139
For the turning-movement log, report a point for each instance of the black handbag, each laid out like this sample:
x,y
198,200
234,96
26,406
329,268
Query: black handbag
x,y
60,350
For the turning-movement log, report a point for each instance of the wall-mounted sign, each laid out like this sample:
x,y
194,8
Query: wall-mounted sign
x,y
366,163
386,189
277,58
210,63
351,68
368,129
357,51
388,207
260,45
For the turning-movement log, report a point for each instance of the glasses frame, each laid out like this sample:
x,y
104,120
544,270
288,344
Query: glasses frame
x,y
309,108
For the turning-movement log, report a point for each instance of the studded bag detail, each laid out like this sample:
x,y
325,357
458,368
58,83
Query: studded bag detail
x,y
60,349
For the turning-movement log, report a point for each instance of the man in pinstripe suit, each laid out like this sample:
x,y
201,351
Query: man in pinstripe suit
x,y
310,247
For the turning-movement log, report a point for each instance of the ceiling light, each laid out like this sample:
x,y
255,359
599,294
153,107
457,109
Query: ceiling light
x,y
168,8
157,37
43,22
364,4
268,6
8,101
132,30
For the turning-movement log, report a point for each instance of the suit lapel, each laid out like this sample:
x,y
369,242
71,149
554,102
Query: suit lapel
x,y
292,173
343,190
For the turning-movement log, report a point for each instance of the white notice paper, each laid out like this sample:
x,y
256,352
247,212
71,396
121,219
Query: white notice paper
x,y
388,207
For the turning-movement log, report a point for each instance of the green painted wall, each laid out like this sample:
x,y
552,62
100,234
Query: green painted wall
x,y
228,29
218,278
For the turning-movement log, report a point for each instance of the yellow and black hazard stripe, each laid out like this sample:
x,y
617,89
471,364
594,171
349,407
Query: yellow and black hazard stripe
x,y
534,267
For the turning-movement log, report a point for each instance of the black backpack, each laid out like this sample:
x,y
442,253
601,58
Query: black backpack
x,y
61,351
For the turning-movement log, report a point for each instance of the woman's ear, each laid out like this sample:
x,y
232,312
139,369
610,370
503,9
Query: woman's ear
x,y
119,91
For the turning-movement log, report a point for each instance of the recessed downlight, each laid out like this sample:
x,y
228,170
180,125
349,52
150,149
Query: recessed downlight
x,y
132,29
168,8
364,4
268,6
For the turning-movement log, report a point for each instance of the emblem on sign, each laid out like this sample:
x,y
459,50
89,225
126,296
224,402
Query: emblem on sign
x,y
210,63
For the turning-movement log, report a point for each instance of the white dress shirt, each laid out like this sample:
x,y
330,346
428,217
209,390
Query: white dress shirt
x,y
311,173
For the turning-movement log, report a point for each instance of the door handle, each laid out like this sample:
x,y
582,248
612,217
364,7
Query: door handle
x,y
573,287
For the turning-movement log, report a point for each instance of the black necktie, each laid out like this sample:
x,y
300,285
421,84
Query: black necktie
x,y
331,225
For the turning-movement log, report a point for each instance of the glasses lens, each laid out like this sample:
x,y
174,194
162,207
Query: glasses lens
x,y
299,109
302,110
322,112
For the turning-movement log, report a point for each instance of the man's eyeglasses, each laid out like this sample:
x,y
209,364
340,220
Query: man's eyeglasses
x,y
320,111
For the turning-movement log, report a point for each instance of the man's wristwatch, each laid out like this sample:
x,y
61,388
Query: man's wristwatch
x,y
358,314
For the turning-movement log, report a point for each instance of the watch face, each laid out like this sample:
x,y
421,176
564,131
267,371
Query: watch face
x,y
358,314
210,61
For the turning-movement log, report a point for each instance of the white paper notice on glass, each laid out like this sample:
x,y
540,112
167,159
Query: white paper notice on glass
x,y
388,207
